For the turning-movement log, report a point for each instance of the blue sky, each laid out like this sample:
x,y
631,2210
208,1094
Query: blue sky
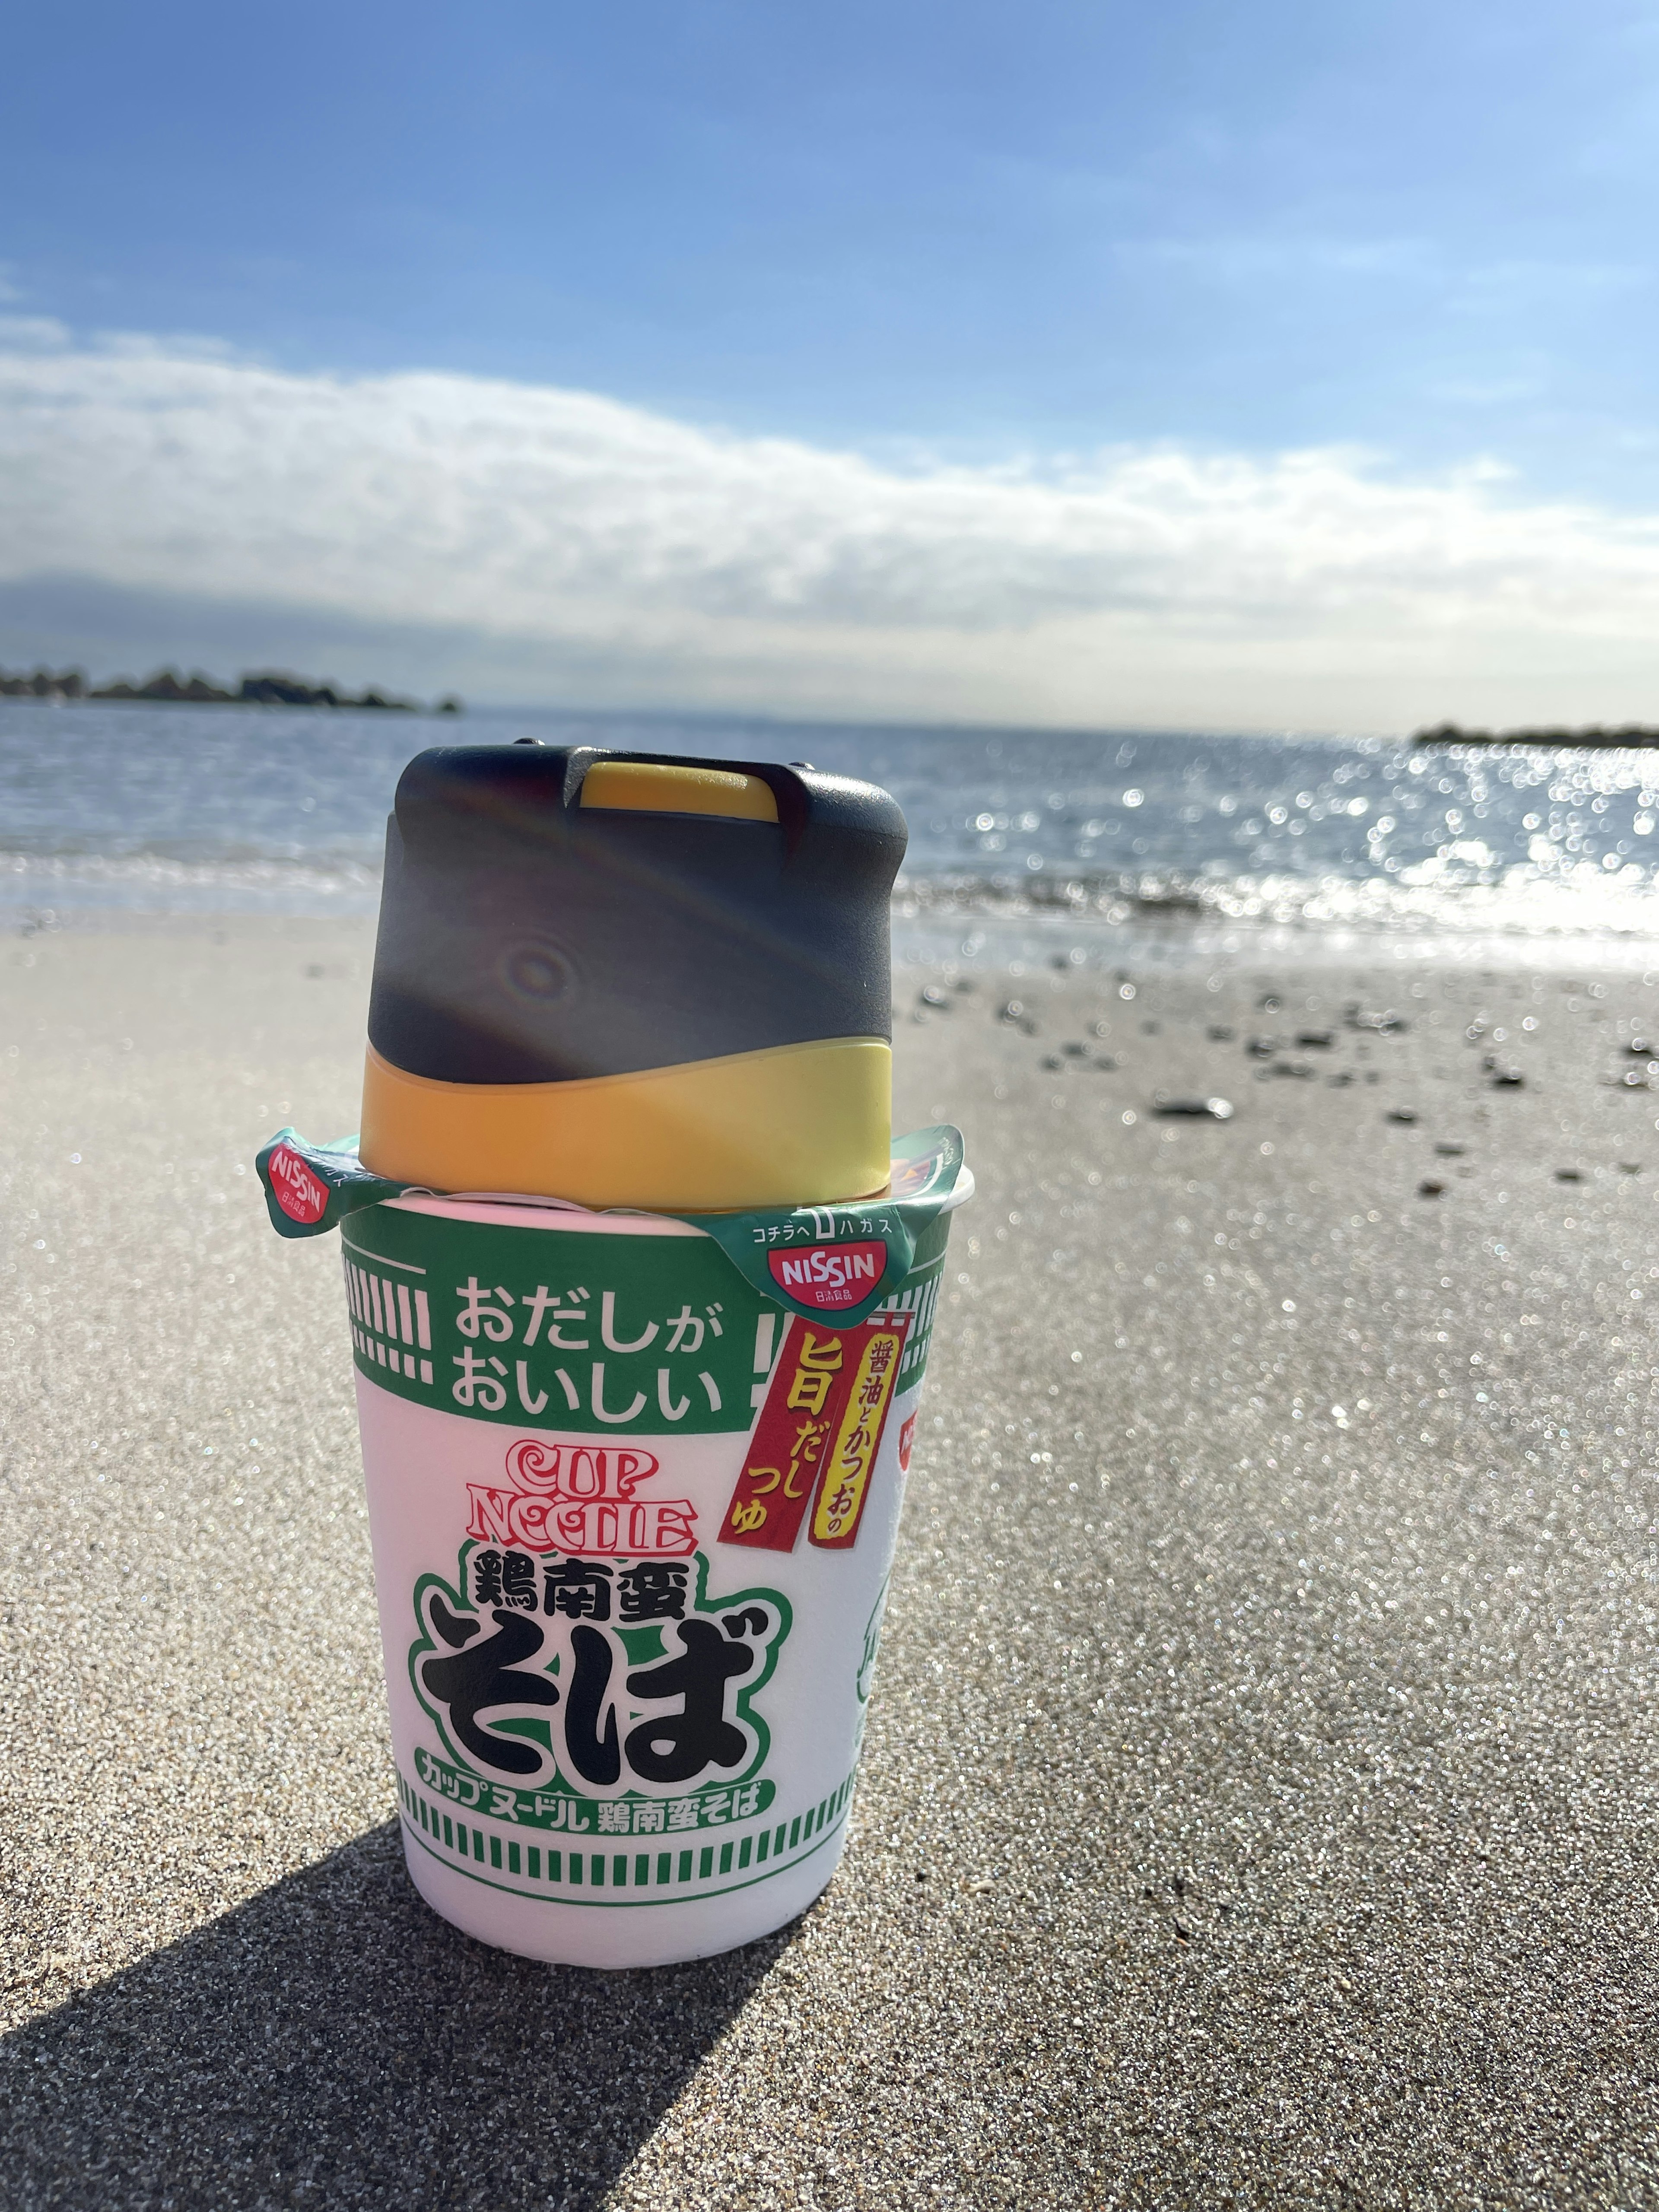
x,y
983,230
1286,366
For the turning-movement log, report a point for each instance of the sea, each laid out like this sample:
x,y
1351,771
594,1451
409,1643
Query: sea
x,y
1074,848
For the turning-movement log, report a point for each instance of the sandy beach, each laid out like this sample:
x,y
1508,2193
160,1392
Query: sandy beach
x,y
1259,1804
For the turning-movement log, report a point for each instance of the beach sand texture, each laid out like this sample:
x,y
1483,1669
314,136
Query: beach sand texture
x,y
1258,1802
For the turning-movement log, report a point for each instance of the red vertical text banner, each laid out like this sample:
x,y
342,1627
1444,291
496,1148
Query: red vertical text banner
x,y
805,1406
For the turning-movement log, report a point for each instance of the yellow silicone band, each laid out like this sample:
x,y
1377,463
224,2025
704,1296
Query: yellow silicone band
x,y
793,1125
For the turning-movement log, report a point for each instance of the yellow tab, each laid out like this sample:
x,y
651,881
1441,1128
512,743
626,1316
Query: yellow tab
x,y
793,1125
651,787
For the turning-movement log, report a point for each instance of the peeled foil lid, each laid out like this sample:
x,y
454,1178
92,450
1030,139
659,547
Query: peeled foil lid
x,y
806,1258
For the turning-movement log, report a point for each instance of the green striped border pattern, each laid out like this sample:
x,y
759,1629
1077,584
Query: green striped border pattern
x,y
594,1878
919,1299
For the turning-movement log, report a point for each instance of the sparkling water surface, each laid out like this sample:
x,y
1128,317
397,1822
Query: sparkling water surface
x,y
1020,839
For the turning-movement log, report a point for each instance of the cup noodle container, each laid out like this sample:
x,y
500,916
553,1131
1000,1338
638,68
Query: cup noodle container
x,y
632,1518
632,1524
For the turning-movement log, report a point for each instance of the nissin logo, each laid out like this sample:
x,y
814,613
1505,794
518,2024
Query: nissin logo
x,y
294,1188
829,1274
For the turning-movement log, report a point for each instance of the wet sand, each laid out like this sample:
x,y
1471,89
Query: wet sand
x,y
1258,1807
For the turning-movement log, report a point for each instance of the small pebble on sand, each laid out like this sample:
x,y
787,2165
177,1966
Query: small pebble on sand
x,y
1214,1110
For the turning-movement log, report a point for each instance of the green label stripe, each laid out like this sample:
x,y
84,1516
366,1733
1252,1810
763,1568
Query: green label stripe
x,y
653,1875
584,1333
560,1806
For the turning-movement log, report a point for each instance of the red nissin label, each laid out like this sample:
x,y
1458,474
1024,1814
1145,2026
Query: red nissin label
x,y
299,1194
785,1458
830,1275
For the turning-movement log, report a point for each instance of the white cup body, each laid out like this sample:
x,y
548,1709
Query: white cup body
x,y
632,1527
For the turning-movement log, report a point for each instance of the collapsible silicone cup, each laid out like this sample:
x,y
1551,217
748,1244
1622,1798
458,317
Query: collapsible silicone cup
x,y
630,981
632,1524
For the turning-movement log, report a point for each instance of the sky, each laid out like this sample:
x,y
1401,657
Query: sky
x,y
1288,365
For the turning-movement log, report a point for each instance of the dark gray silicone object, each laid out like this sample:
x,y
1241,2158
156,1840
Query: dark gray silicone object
x,y
527,939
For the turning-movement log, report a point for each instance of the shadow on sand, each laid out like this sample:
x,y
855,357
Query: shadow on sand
x,y
334,2044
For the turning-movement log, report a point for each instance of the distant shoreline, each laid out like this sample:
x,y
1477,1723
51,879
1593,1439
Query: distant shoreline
x,y
263,687
1632,737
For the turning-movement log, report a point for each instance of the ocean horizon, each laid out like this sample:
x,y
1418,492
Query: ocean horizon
x,y
1076,846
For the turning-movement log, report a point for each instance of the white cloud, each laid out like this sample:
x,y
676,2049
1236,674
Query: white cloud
x,y
566,532
30,333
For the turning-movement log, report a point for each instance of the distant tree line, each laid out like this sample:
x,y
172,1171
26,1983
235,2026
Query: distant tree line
x,y
267,689
1595,737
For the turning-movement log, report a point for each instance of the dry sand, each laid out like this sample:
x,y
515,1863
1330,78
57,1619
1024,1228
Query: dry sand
x,y
1259,1805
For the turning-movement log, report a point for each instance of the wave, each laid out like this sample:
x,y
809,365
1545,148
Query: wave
x,y
1455,893
1439,897
158,881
